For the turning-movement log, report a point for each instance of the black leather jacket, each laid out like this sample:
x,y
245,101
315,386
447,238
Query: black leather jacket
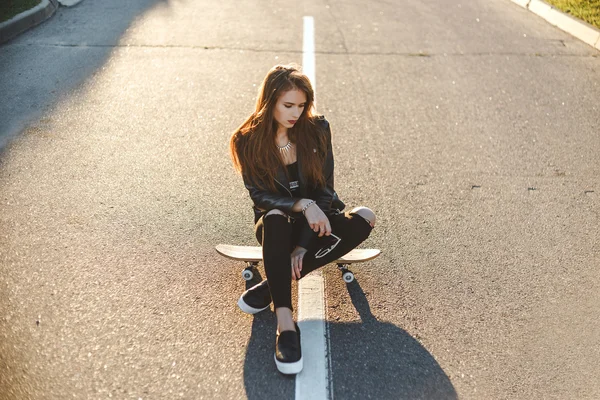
x,y
325,197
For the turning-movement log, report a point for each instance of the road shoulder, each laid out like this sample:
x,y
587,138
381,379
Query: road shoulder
x,y
573,26
27,19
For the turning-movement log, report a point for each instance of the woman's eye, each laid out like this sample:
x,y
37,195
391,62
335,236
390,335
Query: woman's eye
x,y
287,106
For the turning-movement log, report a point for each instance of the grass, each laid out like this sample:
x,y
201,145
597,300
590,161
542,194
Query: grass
x,y
10,8
587,10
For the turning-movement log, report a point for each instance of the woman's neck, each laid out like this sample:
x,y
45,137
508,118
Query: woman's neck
x,y
282,137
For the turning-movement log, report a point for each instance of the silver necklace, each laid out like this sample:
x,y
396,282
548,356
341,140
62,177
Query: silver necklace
x,y
285,148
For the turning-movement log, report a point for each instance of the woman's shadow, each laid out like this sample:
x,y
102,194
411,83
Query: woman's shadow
x,y
369,359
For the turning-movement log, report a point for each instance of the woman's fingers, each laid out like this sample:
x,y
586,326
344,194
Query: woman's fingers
x,y
296,262
297,266
328,228
325,228
322,228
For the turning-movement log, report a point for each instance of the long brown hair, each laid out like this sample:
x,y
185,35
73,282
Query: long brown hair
x,y
252,145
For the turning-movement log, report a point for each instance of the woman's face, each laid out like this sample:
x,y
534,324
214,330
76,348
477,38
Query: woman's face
x,y
289,107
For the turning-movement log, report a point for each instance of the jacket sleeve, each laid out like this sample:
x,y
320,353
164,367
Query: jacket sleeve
x,y
266,201
322,196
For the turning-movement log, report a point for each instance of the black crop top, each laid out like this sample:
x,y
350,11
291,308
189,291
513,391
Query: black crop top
x,y
292,170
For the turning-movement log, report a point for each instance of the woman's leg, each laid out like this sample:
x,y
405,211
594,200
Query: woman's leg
x,y
258,297
352,228
276,243
277,240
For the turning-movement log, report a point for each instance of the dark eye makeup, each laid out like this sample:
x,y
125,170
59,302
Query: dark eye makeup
x,y
288,105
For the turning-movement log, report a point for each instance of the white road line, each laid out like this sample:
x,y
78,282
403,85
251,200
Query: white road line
x,y
308,52
312,382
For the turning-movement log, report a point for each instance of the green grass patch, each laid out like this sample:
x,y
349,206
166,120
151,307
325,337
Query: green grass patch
x,y
587,10
10,8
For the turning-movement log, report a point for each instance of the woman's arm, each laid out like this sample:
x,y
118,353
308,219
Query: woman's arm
x,y
324,196
266,200
316,219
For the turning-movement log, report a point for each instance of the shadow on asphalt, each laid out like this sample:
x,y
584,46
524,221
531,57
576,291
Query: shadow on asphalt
x,y
49,60
261,378
370,359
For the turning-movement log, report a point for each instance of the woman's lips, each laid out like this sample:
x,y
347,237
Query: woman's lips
x,y
292,121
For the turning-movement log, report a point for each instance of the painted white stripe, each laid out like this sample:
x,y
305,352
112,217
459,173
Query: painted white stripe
x,y
312,382
308,52
328,338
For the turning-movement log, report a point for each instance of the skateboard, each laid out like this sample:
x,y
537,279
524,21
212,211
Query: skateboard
x,y
252,255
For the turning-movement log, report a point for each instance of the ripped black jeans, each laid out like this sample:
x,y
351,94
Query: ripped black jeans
x,y
278,237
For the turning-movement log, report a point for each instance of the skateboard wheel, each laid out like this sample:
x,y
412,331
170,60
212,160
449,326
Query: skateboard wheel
x,y
348,276
247,274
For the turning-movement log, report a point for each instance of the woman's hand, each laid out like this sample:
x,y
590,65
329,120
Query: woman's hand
x,y
317,220
297,256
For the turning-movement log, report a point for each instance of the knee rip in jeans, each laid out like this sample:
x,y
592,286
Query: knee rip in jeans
x,y
276,212
366,214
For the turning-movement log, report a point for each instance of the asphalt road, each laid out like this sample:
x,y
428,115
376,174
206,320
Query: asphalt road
x,y
470,128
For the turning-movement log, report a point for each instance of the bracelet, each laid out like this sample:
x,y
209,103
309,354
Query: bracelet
x,y
310,203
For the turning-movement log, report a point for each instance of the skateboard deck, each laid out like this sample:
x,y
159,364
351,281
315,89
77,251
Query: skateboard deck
x,y
252,255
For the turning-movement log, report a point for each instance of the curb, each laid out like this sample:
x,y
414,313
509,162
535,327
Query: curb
x,y
580,29
69,3
27,19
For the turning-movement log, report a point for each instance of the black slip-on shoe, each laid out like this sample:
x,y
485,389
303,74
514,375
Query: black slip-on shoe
x,y
255,299
288,352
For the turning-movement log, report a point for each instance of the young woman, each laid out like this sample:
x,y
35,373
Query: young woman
x,y
285,156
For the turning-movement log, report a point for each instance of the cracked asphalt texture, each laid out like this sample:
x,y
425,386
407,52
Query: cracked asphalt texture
x,y
471,129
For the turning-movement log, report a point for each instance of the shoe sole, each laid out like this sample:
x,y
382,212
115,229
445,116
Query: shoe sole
x,y
288,368
247,309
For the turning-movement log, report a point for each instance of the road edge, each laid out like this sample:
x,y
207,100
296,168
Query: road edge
x,y
574,26
27,19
